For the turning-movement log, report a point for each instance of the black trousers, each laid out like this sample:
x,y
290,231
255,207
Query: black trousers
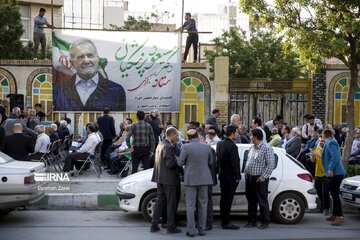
x,y
109,150
72,158
106,144
334,185
140,154
36,156
228,188
118,163
322,188
191,39
257,193
166,197
210,209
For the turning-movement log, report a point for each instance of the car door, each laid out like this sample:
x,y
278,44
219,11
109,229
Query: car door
x,y
239,202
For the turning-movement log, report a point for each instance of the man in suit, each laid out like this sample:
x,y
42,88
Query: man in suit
x,y
87,90
107,129
63,131
293,146
18,145
229,174
166,175
197,159
214,171
9,124
33,120
212,120
334,170
54,135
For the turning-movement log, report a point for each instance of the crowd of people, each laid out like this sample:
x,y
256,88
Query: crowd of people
x,y
151,143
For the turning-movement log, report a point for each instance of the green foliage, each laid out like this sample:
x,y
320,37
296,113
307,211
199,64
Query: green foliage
x,y
133,24
262,56
317,29
352,170
11,30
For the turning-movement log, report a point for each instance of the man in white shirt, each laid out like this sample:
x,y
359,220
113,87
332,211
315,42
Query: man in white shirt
x,y
213,138
88,148
42,143
256,124
307,131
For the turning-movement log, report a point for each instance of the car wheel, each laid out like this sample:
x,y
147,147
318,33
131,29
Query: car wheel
x,y
4,212
288,208
148,206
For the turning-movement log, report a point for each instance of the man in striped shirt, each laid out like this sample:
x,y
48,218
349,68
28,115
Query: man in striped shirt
x,y
144,142
258,169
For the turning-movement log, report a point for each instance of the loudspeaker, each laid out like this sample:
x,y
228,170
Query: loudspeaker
x,y
16,100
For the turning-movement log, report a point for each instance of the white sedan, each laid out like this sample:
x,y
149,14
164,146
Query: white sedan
x,y
350,191
18,187
288,190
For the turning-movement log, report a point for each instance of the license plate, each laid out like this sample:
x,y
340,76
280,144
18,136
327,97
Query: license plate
x,y
347,196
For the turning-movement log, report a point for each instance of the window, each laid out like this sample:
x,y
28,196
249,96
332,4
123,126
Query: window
x,y
42,93
341,90
25,20
246,158
4,86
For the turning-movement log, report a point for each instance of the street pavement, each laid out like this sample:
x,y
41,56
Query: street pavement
x,y
53,225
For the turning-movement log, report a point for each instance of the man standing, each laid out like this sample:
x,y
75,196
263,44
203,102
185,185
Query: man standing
x,y
166,175
270,125
197,159
33,120
193,37
107,129
88,89
256,124
212,120
3,106
39,33
258,169
213,139
334,170
17,145
235,121
144,142
229,174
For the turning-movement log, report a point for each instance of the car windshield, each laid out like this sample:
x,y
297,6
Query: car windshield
x,y
296,161
5,158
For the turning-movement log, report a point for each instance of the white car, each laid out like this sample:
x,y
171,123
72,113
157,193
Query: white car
x,y
17,183
350,191
288,190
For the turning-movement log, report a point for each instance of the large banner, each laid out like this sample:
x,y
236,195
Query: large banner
x,y
124,71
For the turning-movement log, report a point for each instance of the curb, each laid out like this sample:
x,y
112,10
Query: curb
x,y
91,201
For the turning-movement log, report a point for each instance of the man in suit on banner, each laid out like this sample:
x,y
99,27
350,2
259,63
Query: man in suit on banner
x,y
87,90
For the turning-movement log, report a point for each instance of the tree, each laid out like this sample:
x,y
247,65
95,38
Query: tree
x,y
261,56
11,30
318,29
133,24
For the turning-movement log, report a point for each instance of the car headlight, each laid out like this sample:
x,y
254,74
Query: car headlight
x,y
127,185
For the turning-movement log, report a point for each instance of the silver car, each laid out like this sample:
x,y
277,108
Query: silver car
x,y
18,187
350,191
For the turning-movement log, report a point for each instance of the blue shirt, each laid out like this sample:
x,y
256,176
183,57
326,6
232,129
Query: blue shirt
x,y
37,27
191,24
86,88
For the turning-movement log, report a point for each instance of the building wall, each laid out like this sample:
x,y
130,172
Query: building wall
x,y
35,5
33,79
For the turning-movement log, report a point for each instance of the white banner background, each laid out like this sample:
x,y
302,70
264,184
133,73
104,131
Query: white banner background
x,y
146,64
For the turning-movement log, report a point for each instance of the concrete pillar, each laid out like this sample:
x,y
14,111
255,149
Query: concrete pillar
x,y
221,78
